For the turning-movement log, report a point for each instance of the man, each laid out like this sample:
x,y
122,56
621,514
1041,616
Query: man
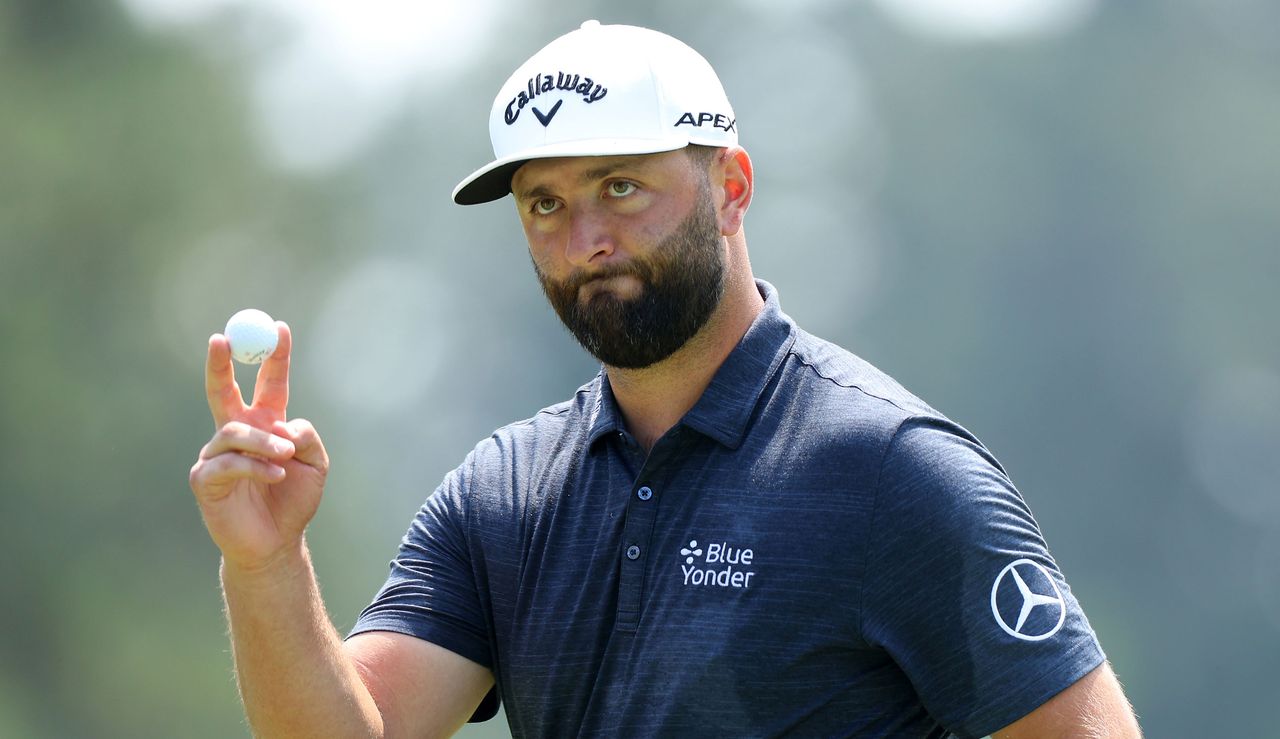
x,y
736,529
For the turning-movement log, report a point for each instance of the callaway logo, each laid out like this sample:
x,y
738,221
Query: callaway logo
x,y
717,120
725,574
1025,588
545,83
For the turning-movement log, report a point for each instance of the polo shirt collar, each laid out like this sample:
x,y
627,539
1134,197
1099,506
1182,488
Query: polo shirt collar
x,y
725,407
606,418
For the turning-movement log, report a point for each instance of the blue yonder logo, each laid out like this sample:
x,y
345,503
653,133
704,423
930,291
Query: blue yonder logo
x,y
724,566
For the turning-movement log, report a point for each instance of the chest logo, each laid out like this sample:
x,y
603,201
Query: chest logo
x,y
722,565
1026,594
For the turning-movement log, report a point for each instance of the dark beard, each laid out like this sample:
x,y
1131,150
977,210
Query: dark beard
x,y
683,281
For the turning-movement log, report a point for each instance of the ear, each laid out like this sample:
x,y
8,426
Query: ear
x,y
739,186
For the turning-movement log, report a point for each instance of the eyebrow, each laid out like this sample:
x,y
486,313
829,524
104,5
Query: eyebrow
x,y
534,193
605,169
609,166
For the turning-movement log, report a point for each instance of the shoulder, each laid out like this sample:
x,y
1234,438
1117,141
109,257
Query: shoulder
x,y
935,471
549,429
837,392
925,459
844,374
515,460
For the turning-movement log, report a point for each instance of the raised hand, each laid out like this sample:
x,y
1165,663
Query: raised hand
x,y
259,480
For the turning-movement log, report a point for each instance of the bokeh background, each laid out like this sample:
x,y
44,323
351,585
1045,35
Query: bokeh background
x,y
1054,220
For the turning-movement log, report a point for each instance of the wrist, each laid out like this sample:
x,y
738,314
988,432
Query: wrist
x,y
285,563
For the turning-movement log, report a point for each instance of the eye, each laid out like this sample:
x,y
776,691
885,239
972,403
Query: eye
x,y
545,206
621,188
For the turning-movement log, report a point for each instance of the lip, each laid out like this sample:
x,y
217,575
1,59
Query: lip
x,y
622,286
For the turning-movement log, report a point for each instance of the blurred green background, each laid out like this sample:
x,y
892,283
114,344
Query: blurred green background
x,y
1055,221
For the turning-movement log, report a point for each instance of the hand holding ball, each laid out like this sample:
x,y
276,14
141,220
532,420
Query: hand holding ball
x,y
253,336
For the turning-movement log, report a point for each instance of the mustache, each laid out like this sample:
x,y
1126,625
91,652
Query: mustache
x,y
580,277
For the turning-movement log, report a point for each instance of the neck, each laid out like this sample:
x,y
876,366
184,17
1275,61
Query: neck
x,y
655,398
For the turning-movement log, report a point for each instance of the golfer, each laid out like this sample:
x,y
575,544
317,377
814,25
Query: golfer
x,y
735,529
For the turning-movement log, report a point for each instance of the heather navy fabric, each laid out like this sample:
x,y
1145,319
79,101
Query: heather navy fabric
x,y
811,551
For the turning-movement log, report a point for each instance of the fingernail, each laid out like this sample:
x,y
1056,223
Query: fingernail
x,y
280,446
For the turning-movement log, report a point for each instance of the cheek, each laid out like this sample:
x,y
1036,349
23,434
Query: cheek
x,y
650,229
642,222
541,256
661,223
547,238
537,238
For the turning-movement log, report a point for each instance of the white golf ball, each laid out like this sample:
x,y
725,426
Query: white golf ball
x,y
253,336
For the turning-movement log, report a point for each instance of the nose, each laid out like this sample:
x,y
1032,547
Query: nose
x,y
590,238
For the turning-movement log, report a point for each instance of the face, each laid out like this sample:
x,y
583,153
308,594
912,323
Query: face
x,y
629,292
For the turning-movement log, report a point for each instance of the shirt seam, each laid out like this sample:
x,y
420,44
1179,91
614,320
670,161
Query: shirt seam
x,y
555,409
850,386
871,528
469,534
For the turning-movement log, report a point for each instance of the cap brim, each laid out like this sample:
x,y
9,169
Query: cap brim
x,y
493,181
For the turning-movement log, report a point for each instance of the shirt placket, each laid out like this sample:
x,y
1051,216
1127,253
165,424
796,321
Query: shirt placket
x,y
637,534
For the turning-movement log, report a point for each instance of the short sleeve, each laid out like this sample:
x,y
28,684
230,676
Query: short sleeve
x,y
431,590
961,590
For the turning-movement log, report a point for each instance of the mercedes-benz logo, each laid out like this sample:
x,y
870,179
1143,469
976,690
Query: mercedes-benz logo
x,y
1028,598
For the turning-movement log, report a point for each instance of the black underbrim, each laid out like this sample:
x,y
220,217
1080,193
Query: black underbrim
x,y
492,185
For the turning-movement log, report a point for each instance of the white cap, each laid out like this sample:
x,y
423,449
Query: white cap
x,y
601,90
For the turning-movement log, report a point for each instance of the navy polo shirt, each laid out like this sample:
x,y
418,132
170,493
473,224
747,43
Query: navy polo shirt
x,y
811,551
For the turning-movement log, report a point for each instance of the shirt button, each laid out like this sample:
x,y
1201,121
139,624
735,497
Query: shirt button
x,y
644,493
633,552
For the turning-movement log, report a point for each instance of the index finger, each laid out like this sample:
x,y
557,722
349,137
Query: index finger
x,y
271,390
220,385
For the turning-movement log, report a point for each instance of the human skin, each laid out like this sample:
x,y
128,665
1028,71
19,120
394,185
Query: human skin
x,y
583,213
260,479
258,482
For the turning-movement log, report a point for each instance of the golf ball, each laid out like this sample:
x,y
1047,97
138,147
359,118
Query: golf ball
x,y
253,336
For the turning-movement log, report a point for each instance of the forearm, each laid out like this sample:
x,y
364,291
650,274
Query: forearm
x,y
294,676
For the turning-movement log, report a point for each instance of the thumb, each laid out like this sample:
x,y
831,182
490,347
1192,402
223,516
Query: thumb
x,y
309,449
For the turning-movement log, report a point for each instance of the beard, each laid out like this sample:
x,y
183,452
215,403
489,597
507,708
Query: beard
x,y
682,281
